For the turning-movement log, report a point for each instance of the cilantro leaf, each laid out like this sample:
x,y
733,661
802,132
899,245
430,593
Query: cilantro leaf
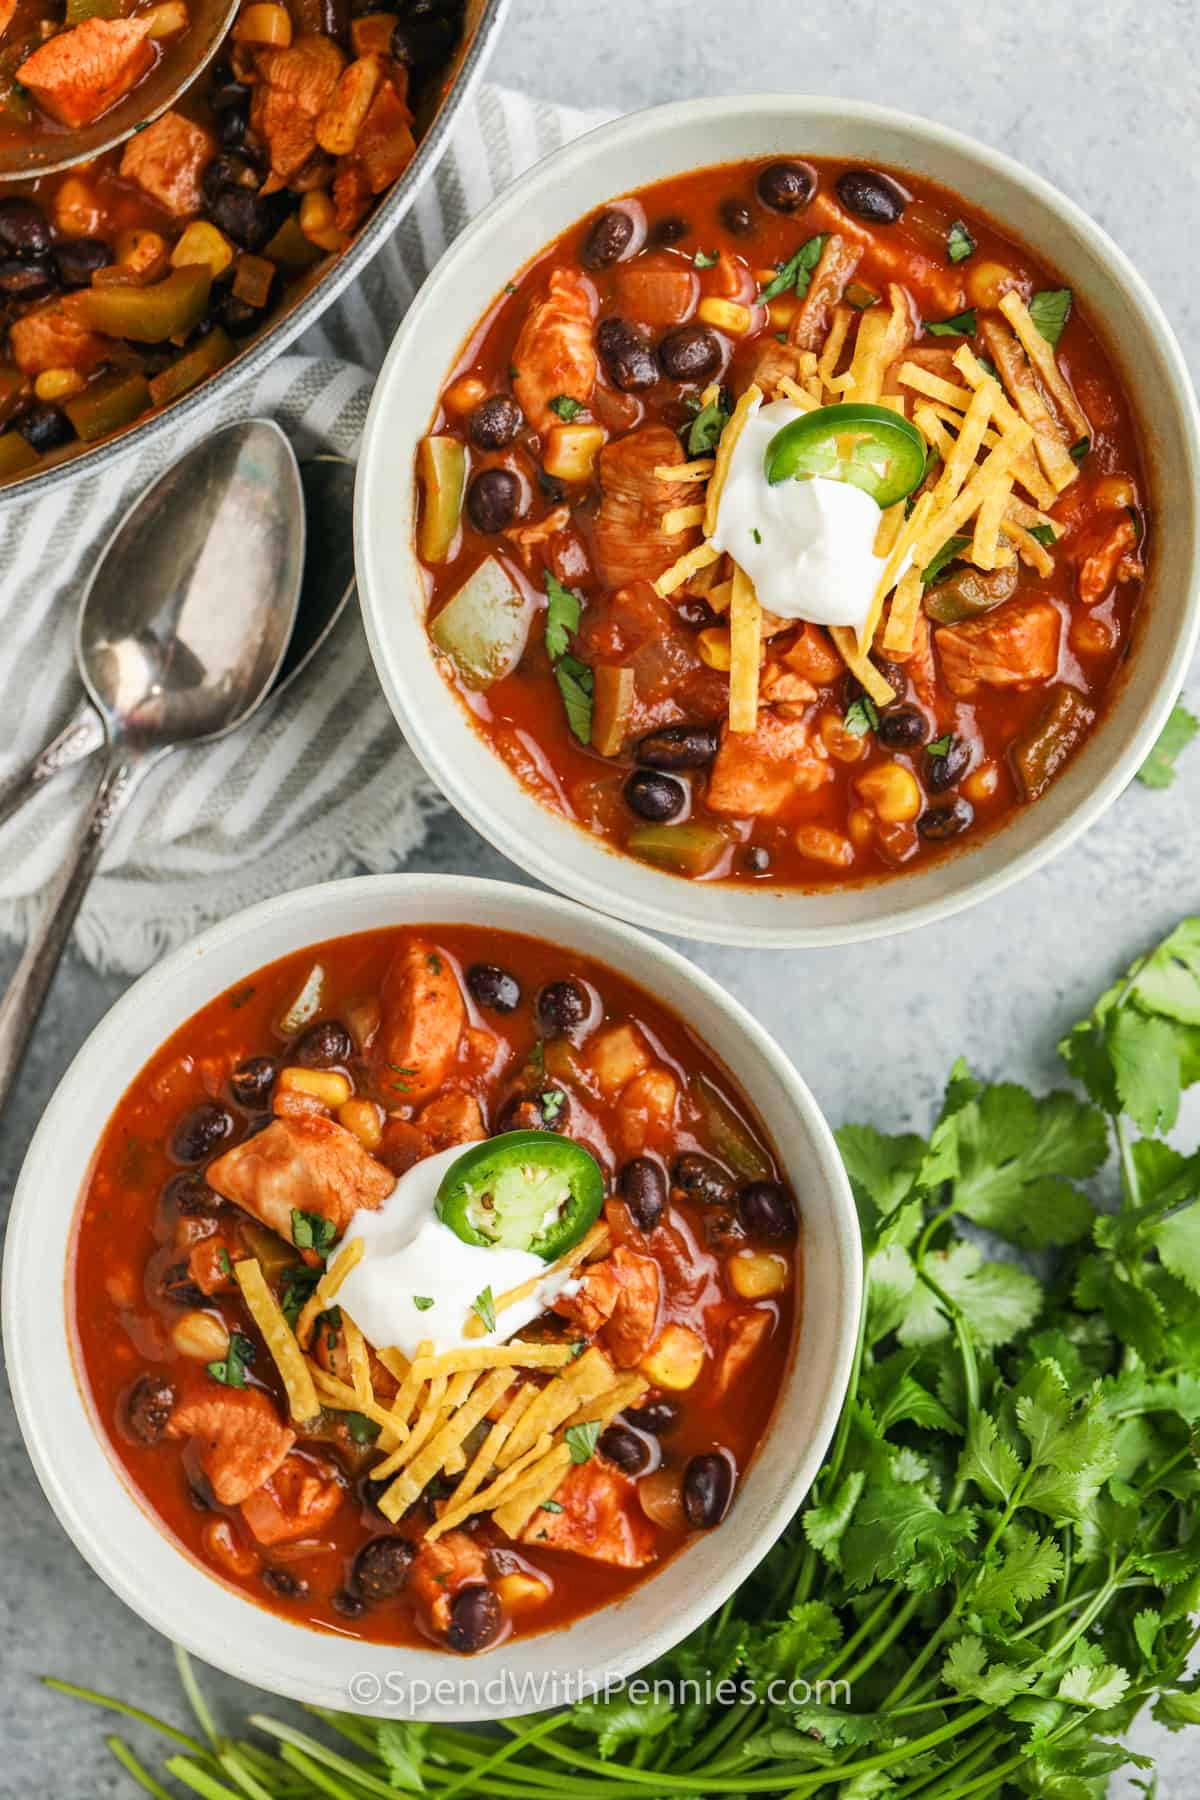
x,y
959,243
900,1534
989,1460
581,1440
703,435
484,1307
361,1429
824,1525
1016,1155
942,746
941,559
1158,770
1098,1688
312,1231
1045,535
230,1369
966,1670
576,683
705,259
861,717
1025,1572
401,1746
566,408
1050,310
562,616
961,325
423,1302
796,272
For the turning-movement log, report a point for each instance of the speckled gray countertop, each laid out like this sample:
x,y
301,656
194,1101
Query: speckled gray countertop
x,y
1101,99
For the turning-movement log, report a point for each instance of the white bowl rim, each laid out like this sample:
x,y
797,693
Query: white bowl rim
x,y
519,839
55,1422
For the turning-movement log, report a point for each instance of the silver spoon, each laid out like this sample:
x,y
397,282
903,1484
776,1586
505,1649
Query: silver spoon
x,y
182,631
328,483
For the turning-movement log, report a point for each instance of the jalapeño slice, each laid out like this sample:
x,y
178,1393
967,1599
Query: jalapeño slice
x,y
523,1190
867,447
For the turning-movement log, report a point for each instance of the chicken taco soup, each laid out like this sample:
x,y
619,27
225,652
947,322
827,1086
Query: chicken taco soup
x,y
435,1285
784,522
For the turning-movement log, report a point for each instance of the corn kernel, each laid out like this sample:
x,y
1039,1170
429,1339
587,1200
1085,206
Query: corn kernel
x,y
1116,491
317,221
892,791
675,1359
165,20
200,1335
465,394
76,208
726,315
861,826
783,310
616,1055
264,23
988,282
519,1590
571,451
652,1095
325,1085
839,742
1092,636
202,243
59,384
982,782
363,1118
757,1274
824,846
713,645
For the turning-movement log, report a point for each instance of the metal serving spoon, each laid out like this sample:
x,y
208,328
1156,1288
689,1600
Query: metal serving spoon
x,y
182,631
328,483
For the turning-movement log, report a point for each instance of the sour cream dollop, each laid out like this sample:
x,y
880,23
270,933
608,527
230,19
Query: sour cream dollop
x,y
808,546
409,1254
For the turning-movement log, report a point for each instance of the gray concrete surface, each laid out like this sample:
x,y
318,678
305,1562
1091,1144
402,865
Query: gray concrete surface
x,y
1101,100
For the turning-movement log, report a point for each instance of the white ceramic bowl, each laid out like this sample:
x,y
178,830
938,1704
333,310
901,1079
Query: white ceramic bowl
x,y
627,155
159,1581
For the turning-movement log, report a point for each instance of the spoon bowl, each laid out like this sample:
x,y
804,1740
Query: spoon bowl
x,y
181,633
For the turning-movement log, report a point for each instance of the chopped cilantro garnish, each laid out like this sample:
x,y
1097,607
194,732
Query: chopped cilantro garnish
x,y
861,716
485,1306
361,1429
550,1506
551,1103
959,242
1158,770
575,684
961,325
566,408
704,433
562,616
1080,448
422,1302
223,1262
297,1288
756,534
1045,535
706,259
230,1370
1050,310
311,1231
941,746
941,559
581,1440
796,272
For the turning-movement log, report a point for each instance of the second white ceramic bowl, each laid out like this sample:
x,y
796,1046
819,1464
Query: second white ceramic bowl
x,y
124,1544
629,154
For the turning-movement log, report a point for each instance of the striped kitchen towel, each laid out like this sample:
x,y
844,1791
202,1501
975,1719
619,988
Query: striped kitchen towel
x,y
321,783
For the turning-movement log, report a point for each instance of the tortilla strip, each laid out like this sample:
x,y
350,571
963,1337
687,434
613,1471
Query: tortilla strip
x,y
347,1258
396,1365
1028,547
485,1457
985,550
437,1452
1019,379
594,1242
685,568
359,1358
838,260
835,338
342,1398
961,460
745,648
410,1387
699,470
798,396
912,375
882,336
493,1356
1045,362
747,404
949,520
524,1501
891,524
488,1498
901,626
861,666
895,562
586,1379
682,518
277,1334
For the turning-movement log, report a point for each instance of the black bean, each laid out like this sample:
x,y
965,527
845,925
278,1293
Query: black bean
x,y
562,1007
348,1604
228,171
236,316
44,427
176,1286
644,1190
24,228
736,217
475,1619
624,1447
544,1111
284,1585
609,237
767,1211
943,772
248,218
786,187
495,422
492,499
703,1179
708,1484
652,795
224,88
423,43
200,1131
148,1408
188,1196
722,1232
494,987
550,486
679,747
27,278
658,1417
937,823
755,859
77,260
690,353
381,1568
325,1044
874,197
232,121
695,612
894,673
252,1081
667,231
626,354
902,727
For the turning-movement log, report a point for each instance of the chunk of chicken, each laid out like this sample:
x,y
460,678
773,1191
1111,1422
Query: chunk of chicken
x,y
422,1019
1013,646
441,1571
54,336
166,161
642,631
297,1501
631,544
237,1436
757,772
310,1164
451,1118
293,88
619,1298
744,1334
554,352
78,74
936,286
601,1519
838,260
1109,560
385,144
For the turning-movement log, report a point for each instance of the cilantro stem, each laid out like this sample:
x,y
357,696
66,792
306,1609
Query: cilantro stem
x,y
195,1698
109,1704
194,1777
329,1759
528,1734
317,1776
133,1767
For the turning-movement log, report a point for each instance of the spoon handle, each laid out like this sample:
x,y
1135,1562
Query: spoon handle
x,y
82,734
22,1001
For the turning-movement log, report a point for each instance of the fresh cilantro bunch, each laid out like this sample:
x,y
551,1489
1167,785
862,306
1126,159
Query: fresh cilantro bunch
x,y
999,1559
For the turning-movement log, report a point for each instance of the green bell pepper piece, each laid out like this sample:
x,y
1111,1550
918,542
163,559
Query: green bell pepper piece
x,y
171,308
867,447
523,1190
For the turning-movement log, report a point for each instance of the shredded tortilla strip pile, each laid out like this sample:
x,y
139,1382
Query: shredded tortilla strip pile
x,y
994,433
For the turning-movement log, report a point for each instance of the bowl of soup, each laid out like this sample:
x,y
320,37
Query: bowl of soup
x,y
415,1277
777,518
